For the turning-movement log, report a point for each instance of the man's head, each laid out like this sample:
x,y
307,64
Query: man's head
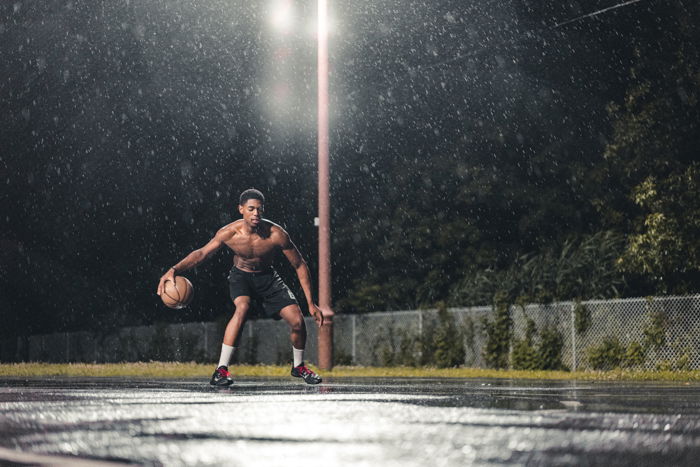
x,y
251,193
251,206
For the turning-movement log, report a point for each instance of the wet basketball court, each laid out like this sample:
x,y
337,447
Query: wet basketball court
x,y
372,422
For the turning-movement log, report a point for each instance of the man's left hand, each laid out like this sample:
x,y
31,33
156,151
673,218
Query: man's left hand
x,y
317,315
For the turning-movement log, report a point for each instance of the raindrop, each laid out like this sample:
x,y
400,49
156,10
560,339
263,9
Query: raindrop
x,y
186,169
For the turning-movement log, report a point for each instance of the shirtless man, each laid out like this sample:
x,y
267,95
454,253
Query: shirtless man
x,y
255,242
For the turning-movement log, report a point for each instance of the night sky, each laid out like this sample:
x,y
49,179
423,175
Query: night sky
x,y
129,127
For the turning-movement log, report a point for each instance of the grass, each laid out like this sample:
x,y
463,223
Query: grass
x,y
197,370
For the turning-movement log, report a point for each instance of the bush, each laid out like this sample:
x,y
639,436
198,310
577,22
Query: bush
x,y
612,354
499,334
606,356
524,356
635,354
448,341
655,331
524,352
408,345
682,363
549,350
397,347
441,344
544,355
341,357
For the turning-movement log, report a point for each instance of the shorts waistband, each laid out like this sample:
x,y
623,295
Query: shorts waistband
x,y
269,270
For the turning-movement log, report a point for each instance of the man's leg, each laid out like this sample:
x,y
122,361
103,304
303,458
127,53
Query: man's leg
x,y
292,315
232,335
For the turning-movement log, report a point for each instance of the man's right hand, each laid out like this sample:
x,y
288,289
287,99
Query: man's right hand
x,y
168,276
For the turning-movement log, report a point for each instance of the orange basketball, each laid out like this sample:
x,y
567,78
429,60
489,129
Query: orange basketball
x,y
179,294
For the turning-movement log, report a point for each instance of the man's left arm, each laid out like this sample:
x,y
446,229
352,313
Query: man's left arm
x,y
302,269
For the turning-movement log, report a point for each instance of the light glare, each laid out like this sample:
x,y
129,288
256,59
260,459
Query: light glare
x,y
282,15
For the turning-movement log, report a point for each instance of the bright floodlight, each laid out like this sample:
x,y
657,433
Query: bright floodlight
x,y
322,21
282,15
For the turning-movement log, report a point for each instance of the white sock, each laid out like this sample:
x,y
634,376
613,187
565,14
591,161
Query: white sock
x,y
298,356
226,353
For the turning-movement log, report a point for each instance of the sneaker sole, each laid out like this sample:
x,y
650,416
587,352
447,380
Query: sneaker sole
x,y
302,378
224,383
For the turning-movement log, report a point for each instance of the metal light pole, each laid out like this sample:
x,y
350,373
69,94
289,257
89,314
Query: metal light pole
x,y
325,333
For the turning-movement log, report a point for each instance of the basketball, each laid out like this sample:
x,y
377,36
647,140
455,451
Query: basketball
x,y
179,294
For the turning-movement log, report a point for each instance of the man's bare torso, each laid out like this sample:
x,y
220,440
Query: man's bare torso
x,y
254,250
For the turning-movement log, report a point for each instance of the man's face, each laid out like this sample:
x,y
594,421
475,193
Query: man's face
x,y
252,212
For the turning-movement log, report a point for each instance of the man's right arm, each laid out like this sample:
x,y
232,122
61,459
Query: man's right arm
x,y
194,258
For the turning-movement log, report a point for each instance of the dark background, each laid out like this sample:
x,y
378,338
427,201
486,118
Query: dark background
x,y
479,151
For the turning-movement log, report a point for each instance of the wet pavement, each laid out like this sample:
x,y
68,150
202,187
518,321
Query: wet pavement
x,y
358,422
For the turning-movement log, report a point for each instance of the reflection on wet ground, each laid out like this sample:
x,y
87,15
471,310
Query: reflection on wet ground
x,y
354,422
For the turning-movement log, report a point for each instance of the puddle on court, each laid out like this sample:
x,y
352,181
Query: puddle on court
x,y
354,422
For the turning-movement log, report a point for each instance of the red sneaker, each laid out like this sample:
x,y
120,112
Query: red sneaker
x,y
221,377
307,375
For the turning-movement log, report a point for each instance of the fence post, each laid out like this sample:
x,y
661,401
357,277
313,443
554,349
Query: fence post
x,y
573,337
354,339
420,335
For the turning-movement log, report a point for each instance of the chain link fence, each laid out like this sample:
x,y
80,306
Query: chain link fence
x,y
645,333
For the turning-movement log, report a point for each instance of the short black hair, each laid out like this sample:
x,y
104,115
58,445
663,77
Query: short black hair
x,y
251,193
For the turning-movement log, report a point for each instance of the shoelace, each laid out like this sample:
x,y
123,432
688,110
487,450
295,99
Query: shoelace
x,y
223,372
304,371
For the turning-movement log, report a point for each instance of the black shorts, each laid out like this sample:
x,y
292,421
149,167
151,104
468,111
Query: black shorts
x,y
266,287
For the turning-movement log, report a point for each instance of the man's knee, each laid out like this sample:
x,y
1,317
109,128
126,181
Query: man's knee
x,y
241,309
298,323
294,317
